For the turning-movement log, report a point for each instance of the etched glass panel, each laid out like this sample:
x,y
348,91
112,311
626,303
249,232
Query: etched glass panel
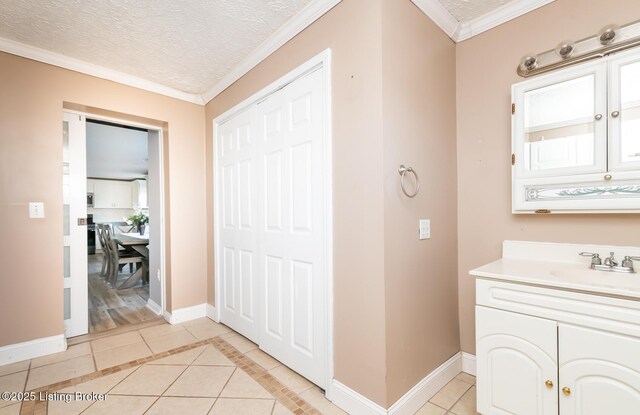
x,y
559,124
67,303
630,113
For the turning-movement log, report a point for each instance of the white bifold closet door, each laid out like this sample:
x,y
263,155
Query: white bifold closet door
x,y
272,219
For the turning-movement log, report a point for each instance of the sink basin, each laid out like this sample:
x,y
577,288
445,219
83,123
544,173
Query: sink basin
x,y
572,273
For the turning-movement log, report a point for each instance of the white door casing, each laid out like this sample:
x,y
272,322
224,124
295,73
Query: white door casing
x,y
74,192
516,356
281,184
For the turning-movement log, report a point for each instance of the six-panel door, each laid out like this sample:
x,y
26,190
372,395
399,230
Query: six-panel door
x,y
516,363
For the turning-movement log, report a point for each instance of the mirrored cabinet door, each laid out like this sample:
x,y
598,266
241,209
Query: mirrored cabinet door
x,y
624,112
560,123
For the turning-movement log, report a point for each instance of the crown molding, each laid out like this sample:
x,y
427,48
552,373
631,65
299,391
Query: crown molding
x,y
439,14
458,31
66,62
295,25
496,17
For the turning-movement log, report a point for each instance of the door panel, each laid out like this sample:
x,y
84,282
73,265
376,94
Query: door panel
x,y
74,197
291,201
602,371
238,233
516,355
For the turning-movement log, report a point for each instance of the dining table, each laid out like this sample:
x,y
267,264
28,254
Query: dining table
x,y
138,243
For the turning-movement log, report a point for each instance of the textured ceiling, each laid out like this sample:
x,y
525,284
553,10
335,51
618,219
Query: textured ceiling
x,y
464,10
185,44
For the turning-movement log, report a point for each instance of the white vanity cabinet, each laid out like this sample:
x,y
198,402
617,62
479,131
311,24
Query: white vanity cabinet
x,y
576,139
554,337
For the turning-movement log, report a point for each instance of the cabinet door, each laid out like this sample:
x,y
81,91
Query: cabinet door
x,y
102,194
559,124
624,112
601,371
121,192
516,363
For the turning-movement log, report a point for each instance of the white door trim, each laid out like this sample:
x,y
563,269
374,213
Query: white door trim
x,y
322,60
163,301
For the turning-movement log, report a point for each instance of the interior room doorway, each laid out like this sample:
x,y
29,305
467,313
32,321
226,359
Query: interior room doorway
x,y
113,216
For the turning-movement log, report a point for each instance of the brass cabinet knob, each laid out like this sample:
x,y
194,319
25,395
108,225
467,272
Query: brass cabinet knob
x,y
549,384
607,177
615,114
598,117
566,391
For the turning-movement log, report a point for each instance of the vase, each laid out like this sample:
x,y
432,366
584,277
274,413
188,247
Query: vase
x,y
141,228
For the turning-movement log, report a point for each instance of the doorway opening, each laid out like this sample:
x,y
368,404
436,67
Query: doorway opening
x,y
119,196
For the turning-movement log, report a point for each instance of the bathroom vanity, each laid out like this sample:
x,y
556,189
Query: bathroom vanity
x,y
554,336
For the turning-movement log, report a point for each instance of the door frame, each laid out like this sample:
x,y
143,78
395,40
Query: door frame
x,y
161,156
320,61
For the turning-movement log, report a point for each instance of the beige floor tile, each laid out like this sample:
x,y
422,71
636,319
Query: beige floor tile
x,y
291,379
99,385
123,354
431,409
120,405
160,330
72,352
241,343
279,409
12,383
11,409
184,358
467,404
118,340
149,380
316,398
203,381
14,367
212,357
465,377
170,341
174,406
242,407
60,371
448,395
242,386
205,328
263,359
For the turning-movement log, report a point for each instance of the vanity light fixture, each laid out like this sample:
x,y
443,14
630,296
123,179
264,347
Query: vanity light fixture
x,y
610,39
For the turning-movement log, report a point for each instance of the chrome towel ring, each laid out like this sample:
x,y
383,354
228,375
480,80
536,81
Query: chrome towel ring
x,y
403,171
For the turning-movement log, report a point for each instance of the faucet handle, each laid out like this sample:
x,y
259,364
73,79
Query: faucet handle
x,y
595,258
628,261
611,261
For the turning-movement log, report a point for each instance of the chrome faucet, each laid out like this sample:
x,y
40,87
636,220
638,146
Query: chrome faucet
x,y
610,263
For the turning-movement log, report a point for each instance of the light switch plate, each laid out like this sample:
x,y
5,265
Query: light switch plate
x,y
425,228
36,210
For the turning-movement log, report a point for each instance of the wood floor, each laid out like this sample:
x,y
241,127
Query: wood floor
x,y
110,308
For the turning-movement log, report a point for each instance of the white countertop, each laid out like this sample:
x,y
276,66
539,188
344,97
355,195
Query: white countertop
x,y
571,275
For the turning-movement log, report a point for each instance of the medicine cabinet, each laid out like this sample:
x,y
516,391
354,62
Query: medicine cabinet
x,y
576,139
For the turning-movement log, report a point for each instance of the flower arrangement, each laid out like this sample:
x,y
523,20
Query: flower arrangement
x,y
138,218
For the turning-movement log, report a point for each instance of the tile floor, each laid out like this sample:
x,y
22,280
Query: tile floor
x,y
198,367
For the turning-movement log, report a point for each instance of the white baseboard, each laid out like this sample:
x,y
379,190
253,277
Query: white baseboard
x,y
420,394
212,313
469,363
154,307
35,348
354,403
186,314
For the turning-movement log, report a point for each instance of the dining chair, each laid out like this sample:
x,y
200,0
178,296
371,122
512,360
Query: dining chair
x,y
119,260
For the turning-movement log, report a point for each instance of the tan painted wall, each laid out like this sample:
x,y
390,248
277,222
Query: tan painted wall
x,y
486,68
418,64
30,170
352,31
